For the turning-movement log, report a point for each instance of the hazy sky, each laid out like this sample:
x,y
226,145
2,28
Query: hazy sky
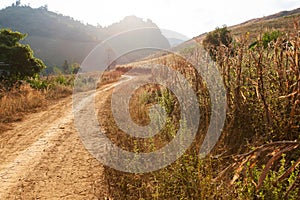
x,y
188,17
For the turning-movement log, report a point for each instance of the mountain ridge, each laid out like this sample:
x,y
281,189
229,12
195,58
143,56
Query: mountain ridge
x,y
56,38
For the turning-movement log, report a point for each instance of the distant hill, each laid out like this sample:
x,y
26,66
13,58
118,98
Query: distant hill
x,y
55,38
174,38
283,21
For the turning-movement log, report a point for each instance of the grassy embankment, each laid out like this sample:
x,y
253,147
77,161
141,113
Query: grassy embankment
x,y
38,93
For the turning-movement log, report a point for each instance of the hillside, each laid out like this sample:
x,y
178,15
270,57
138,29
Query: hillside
x,y
55,38
283,21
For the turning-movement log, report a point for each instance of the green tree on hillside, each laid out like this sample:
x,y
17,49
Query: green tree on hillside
x,y
65,67
70,69
215,39
17,61
267,40
75,68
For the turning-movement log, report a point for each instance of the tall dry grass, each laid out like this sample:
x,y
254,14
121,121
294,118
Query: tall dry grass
x,y
263,91
18,101
38,93
26,97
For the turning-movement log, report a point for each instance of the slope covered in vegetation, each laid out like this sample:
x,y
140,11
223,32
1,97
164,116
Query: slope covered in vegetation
x,y
56,38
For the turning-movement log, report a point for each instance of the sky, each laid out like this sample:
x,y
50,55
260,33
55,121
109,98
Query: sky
x,y
188,17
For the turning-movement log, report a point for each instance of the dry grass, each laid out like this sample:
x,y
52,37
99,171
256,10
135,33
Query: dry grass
x,y
19,100
60,91
16,102
111,76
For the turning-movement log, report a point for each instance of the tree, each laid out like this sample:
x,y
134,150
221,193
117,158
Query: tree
x,y
45,7
268,39
66,67
18,61
75,68
18,3
215,39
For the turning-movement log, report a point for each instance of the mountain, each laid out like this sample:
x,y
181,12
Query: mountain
x,y
174,38
56,38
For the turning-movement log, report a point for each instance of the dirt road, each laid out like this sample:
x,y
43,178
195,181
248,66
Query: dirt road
x,y
43,158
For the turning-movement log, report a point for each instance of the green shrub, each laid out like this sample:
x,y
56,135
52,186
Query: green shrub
x,y
37,83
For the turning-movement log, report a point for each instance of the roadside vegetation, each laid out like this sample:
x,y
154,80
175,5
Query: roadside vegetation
x,y
24,84
258,154
23,88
